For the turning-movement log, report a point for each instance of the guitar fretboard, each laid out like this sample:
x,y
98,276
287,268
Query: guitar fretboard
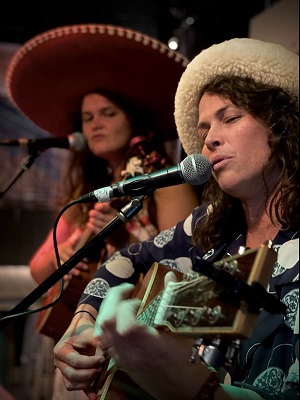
x,y
149,314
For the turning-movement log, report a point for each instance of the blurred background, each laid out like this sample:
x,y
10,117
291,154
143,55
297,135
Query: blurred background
x,y
28,207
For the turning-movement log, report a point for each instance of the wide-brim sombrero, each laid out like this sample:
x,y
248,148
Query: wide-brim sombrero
x,y
47,77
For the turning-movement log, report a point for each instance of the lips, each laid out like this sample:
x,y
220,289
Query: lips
x,y
97,137
216,159
219,161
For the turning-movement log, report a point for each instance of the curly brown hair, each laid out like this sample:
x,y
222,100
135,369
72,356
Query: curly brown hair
x,y
278,111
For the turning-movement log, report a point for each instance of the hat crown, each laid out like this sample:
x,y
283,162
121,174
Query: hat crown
x,y
265,62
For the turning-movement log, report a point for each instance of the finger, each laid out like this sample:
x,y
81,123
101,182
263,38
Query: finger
x,y
77,354
90,394
106,208
100,206
126,315
170,277
78,361
82,266
110,303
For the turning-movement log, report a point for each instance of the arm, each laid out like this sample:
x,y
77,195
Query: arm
x,y
77,356
125,266
43,263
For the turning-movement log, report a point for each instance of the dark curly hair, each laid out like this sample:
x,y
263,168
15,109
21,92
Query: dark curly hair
x,y
278,111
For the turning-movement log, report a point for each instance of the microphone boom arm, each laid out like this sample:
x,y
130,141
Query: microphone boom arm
x,y
29,160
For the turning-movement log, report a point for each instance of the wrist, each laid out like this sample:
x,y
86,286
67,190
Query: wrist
x,y
86,313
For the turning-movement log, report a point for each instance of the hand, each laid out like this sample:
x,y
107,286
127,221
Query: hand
x,y
120,334
157,360
118,328
66,250
100,216
77,356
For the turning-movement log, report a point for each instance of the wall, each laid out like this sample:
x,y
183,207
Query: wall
x,y
278,23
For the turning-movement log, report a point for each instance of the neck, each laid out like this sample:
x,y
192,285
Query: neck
x,y
116,165
260,228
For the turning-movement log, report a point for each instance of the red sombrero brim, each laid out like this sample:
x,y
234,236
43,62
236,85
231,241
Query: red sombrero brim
x,y
49,74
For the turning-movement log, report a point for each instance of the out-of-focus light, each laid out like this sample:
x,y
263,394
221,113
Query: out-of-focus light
x,y
173,43
189,20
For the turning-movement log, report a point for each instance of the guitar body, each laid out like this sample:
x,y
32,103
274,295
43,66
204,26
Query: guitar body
x,y
190,310
54,321
119,386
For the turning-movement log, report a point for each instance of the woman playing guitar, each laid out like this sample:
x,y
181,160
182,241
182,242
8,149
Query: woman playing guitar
x,y
138,77
53,321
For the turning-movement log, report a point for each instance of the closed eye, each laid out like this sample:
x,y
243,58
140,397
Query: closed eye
x,y
231,119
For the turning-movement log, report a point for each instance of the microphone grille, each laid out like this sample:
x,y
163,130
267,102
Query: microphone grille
x,y
196,169
77,141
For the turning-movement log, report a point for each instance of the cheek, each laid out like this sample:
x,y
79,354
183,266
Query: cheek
x,y
258,149
123,132
122,135
205,152
86,129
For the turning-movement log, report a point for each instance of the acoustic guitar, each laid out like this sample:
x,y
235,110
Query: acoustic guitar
x,y
195,306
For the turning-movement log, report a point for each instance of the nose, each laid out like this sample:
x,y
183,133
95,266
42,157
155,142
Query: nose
x,y
212,140
98,121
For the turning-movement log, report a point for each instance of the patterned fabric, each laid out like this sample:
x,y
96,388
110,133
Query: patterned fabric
x,y
140,225
272,351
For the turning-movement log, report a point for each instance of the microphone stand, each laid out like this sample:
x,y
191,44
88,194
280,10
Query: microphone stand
x,y
33,154
126,213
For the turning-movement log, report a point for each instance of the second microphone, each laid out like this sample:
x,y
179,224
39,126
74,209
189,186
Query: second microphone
x,y
194,170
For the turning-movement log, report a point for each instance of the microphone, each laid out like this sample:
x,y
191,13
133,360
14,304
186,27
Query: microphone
x,y
195,169
75,141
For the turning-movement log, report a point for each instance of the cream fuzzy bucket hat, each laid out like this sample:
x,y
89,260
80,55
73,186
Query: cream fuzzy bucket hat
x,y
268,63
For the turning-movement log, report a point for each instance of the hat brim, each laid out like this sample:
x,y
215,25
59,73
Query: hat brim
x,y
49,74
268,63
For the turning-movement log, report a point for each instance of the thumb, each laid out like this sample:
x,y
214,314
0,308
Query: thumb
x,y
110,304
170,277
